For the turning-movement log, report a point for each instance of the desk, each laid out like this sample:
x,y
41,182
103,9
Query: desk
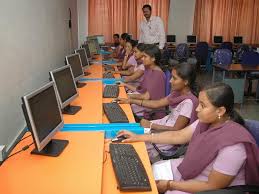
x,y
109,183
96,71
125,107
234,68
237,84
90,99
74,171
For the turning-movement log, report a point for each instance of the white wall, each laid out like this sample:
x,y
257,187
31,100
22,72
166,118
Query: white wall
x,y
180,20
74,29
82,7
34,40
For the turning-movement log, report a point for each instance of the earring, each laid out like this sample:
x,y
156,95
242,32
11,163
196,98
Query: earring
x,y
219,116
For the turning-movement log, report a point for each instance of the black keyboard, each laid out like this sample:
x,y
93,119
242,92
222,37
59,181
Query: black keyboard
x,y
114,113
108,75
111,91
109,68
129,170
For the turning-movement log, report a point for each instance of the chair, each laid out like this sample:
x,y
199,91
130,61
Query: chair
x,y
253,127
201,54
251,58
227,45
182,52
223,56
240,51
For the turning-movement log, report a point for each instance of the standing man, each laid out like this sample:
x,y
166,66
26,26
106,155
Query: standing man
x,y
152,29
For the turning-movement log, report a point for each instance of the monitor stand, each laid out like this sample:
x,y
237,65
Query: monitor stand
x,y
80,84
71,110
53,148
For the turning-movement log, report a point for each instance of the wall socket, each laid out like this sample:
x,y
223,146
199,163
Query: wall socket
x,y
2,152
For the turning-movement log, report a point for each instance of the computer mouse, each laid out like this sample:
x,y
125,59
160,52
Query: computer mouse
x,y
118,83
118,139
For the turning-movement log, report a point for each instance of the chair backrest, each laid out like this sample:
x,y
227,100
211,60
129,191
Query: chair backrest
x,y
250,58
167,82
226,45
201,53
182,52
223,56
241,50
202,49
253,127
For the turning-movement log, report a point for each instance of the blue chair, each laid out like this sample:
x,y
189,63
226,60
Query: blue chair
x,y
253,127
201,54
250,58
182,52
167,82
227,45
223,56
240,52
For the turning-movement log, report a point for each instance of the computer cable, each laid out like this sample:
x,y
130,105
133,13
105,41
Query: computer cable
x,y
21,150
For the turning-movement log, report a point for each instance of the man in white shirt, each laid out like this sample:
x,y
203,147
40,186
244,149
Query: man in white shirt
x,y
152,29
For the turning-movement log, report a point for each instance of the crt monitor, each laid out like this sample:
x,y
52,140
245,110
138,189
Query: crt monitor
x,y
191,39
100,39
171,38
44,119
238,40
92,47
75,62
66,87
217,39
95,41
83,57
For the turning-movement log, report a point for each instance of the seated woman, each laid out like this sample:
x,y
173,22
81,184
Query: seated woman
x,y
152,87
221,152
120,52
133,60
183,102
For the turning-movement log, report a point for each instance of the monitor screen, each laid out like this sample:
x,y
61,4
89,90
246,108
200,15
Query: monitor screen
x,y
100,39
218,39
65,83
92,47
170,38
238,40
75,62
94,39
191,39
43,114
86,47
83,57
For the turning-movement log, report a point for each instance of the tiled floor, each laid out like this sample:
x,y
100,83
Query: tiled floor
x,y
249,109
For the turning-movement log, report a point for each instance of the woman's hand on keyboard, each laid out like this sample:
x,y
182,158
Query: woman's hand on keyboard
x,y
123,101
131,137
